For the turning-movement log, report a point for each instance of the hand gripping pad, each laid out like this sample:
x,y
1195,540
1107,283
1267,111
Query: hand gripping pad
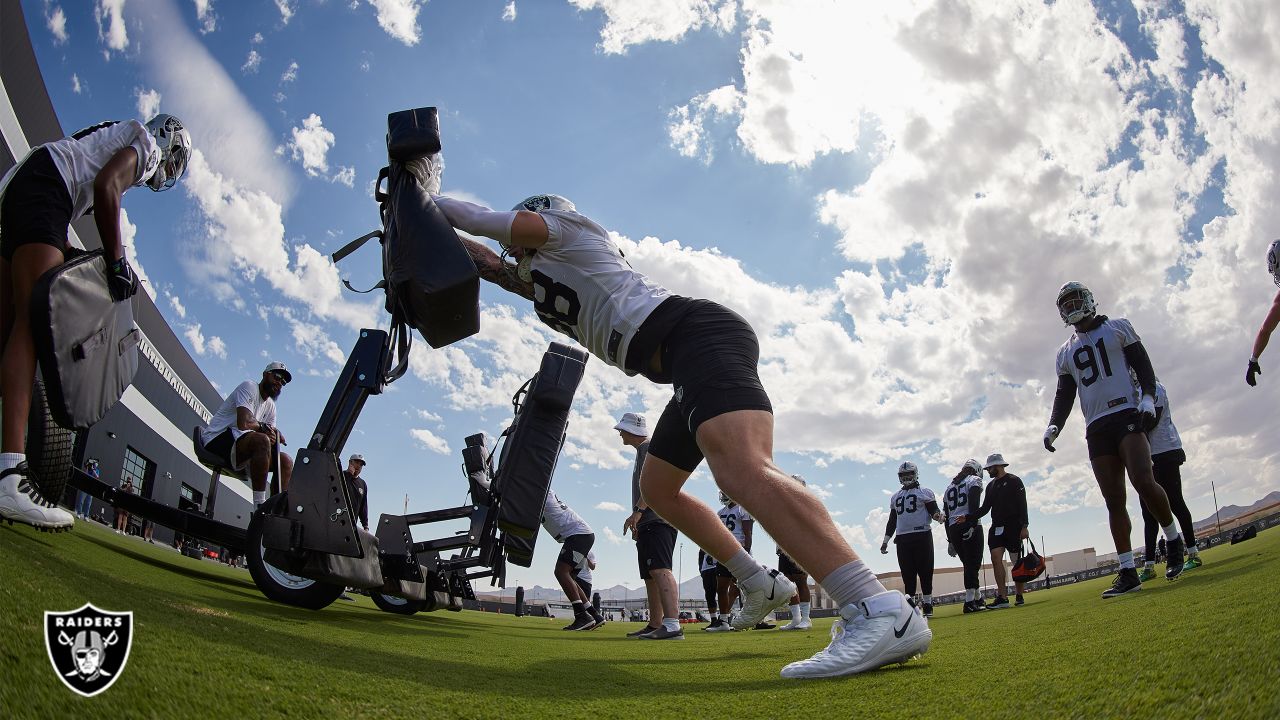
x,y
86,344
529,455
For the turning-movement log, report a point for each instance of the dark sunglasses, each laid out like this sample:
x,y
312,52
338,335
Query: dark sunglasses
x,y
280,376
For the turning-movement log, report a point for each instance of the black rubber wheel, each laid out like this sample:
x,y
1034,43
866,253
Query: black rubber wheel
x,y
394,604
49,447
277,584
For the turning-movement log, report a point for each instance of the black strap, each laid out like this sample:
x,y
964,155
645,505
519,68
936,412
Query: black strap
x,y
354,245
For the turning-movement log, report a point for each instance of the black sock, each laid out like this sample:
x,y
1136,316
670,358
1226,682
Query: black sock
x,y
578,610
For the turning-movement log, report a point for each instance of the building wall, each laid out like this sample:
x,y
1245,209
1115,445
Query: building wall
x,y
170,394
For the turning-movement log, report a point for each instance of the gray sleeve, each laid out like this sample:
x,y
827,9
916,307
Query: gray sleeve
x,y
641,452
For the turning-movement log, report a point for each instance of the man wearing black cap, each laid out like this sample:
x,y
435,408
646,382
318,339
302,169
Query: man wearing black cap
x,y
243,431
655,542
358,489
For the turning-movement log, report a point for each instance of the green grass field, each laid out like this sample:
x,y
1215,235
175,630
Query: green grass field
x,y
207,644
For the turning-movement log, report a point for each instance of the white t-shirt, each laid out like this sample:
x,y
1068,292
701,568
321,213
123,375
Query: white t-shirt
x,y
560,520
82,156
585,288
246,395
955,499
1165,435
734,518
909,504
708,563
1095,359
584,571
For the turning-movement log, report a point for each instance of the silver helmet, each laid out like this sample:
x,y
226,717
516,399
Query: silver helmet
x,y
1273,261
908,474
725,499
974,467
1075,303
538,203
175,151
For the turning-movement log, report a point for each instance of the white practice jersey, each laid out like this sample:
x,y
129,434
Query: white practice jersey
x,y
955,499
909,504
584,570
585,288
248,396
1095,359
733,518
708,563
82,156
1165,436
560,520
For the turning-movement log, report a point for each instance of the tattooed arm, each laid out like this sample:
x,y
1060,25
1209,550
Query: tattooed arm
x,y
493,269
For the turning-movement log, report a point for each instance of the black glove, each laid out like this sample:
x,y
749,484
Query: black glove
x,y
122,283
1254,369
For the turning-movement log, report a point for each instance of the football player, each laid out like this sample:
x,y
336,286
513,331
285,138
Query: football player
x,y
1269,323
910,510
800,602
1096,361
707,568
1167,457
581,285
1006,500
960,504
576,539
739,522
52,185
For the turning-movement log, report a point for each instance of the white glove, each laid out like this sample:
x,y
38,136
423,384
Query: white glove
x,y
1147,409
1050,434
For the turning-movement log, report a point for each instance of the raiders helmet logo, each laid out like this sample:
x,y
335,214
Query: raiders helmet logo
x,y
88,647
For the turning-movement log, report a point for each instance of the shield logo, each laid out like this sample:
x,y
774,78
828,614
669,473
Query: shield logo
x,y
88,647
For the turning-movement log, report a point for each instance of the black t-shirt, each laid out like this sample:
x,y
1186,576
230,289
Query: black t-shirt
x,y
359,497
1006,500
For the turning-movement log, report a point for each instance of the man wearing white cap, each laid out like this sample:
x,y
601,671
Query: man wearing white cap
x,y
655,542
243,431
358,489
1006,500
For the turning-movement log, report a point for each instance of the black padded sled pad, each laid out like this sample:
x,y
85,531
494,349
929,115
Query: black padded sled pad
x,y
87,345
528,459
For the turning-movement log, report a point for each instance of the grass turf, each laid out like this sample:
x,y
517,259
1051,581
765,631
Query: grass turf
x,y
207,644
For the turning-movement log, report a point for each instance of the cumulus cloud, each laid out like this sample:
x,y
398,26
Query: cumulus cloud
x,y
610,506
613,537
75,84
109,14
212,346
287,8
429,441
252,62
509,11
290,73
399,18
205,16
310,146
56,20
176,302
631,23
148,103
128,237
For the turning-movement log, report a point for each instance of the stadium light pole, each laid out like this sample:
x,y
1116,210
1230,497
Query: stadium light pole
x,y
680,579
1216,516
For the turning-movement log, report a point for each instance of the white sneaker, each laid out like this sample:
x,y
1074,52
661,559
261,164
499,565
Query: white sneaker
x,y
762,593
881,630
797,625
20,501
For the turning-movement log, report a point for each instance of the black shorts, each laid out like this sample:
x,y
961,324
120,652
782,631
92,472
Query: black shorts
x,y
711,356
36,207
223,445
1104,434
575,549
1008,540
788,567
655,547
722,571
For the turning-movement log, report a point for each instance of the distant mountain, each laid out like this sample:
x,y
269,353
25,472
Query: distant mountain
x,y
1233,511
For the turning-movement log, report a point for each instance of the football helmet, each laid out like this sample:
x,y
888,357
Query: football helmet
x,y
908,474
725,499
175,151
1273,261
1076,303
974,467
538,203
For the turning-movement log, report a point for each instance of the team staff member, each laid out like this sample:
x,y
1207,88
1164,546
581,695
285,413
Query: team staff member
x,y
54,184
655,542
1006,500
1167,458
1100,359
358,489
243,431
582,285
961,501
910,510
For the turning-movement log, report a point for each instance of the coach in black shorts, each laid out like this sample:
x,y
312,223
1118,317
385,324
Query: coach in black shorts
x,y
1006,500
655,539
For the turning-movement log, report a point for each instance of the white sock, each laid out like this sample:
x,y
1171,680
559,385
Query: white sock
x,y
8,460
1171,531
259,497
671,624
928,599
1149,563
795,613
968,595
1126,560
724,617
804,611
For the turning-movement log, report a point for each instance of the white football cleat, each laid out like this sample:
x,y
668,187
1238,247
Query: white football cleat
x,y
881,630
762,593
797,625
20,501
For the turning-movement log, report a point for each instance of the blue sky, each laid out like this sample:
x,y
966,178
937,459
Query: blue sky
x,y
891,195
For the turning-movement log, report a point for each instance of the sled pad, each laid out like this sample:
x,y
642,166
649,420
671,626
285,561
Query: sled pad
x,y
86,345
412,134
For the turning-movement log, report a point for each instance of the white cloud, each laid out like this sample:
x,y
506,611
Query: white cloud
x,y
287,8
509,11
148,103
176,302
399,18
205,16
310,145
290,73
631,23
56,20
75,84
613,537
428,415
128,237
429,440
256,39
109,14
345,175
213,346
610,506
252,62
